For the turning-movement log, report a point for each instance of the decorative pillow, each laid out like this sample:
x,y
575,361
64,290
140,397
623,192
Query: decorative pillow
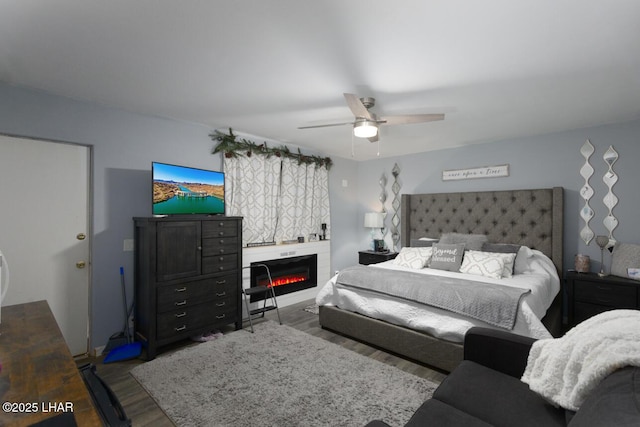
x,y
521,265
413,257
486,264
423,242
625,255
503,248
472,242
447,257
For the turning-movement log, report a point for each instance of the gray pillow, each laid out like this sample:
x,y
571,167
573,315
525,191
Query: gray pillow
x,y
472,242
625,255
447,257
419,243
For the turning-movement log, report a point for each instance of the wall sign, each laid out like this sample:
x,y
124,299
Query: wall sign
x,y
473,173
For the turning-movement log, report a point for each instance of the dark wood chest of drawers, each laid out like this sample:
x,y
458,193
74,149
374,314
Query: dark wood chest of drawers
x,y
187,278
590,294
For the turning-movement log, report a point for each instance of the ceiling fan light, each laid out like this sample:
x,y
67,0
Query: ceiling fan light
x,y
365,129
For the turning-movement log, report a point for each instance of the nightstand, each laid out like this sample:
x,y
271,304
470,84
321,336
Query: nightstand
x,y
590,294
373,257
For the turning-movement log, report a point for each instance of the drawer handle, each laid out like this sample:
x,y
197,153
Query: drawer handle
x,y
222,316
221,282
221,241
221,233
221,268
181,328
221,250
221,259
604,300
179,303
179,315
222,294
221,304
184,288
604,288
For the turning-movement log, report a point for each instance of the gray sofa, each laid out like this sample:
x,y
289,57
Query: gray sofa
x,y
485,390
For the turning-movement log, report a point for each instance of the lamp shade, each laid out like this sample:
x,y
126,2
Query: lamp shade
x,y
373,220
365,129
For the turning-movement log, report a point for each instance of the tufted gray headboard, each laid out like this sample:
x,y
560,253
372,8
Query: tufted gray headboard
x,y
526,217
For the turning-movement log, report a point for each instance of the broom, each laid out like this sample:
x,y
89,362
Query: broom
x,y
131,349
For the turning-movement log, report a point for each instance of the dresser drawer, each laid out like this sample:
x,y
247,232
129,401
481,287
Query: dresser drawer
x,y
606,294
185,321
220,228
220,246
187,294
219,264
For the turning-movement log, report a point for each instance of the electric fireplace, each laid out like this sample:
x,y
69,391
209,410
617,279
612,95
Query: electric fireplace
x,y
287,274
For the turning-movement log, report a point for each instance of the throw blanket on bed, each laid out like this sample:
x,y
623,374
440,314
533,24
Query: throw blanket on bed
x,y
497,305
567,369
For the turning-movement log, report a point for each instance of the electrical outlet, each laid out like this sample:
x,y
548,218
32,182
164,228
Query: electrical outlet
x,y
127,245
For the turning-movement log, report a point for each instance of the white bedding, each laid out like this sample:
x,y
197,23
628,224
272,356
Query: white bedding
x,y
541,277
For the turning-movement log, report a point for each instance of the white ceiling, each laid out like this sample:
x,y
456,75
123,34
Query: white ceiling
x,y
499,69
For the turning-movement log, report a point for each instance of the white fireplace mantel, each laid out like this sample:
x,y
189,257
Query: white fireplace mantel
x,y
264,253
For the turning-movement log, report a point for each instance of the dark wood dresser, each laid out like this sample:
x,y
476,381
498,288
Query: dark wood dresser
x,y
590,294
188,277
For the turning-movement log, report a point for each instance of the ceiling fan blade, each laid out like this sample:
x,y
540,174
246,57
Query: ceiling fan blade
x,y
325,126
357,107
410,118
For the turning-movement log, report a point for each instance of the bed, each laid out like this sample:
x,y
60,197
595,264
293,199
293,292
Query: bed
x,y
531,218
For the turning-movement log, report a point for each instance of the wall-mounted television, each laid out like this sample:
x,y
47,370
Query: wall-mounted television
x,y
182,190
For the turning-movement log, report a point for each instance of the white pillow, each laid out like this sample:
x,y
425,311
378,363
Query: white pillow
x,y
413,257
488,264
522,260
509,260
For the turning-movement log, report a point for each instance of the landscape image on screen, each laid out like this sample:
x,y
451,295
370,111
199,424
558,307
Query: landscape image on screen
x,y
183,190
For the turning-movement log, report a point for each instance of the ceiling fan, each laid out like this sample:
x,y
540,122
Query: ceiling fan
x,y
366,123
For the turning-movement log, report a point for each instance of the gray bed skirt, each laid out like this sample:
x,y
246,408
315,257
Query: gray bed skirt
x,y
396,339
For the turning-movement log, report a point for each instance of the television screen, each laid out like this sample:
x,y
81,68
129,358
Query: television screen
x,y
181,190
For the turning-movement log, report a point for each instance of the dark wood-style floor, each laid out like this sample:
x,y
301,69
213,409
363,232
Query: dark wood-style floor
x,y
143,411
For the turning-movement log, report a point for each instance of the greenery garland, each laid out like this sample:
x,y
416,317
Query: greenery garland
x,y
231,147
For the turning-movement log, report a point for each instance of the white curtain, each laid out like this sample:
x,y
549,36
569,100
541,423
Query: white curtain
x,y
279,198
251,191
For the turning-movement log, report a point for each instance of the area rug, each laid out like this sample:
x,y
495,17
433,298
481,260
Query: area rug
x,y
313,308
279,376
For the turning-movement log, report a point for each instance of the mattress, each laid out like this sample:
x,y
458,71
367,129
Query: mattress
x,y
540,276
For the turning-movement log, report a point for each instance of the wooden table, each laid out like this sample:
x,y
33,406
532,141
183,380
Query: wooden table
x,y
38,373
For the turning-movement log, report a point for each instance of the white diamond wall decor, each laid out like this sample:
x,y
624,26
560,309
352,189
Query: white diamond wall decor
x,y
586,192
395,219
383,199
610,200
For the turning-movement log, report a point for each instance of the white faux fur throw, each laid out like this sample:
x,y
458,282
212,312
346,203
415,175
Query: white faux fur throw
x,y
565,370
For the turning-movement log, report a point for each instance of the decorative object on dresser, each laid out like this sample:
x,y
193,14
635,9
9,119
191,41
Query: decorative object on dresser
x,y
374,257
591,294
625,259
602,242
187,277
582,263
586,192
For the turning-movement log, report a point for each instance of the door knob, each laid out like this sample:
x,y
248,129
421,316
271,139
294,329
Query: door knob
x,y
81,236
81,264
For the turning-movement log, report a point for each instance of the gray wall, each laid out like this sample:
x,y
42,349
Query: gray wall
x,y
124,144
535,162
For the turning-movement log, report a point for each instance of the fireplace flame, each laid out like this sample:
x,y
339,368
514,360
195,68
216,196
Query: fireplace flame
x,y
285,280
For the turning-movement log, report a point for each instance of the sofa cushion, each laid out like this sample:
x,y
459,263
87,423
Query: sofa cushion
x,y
435,413
615,402
496,398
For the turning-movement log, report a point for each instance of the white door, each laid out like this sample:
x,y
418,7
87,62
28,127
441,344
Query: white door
x,y
44,235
